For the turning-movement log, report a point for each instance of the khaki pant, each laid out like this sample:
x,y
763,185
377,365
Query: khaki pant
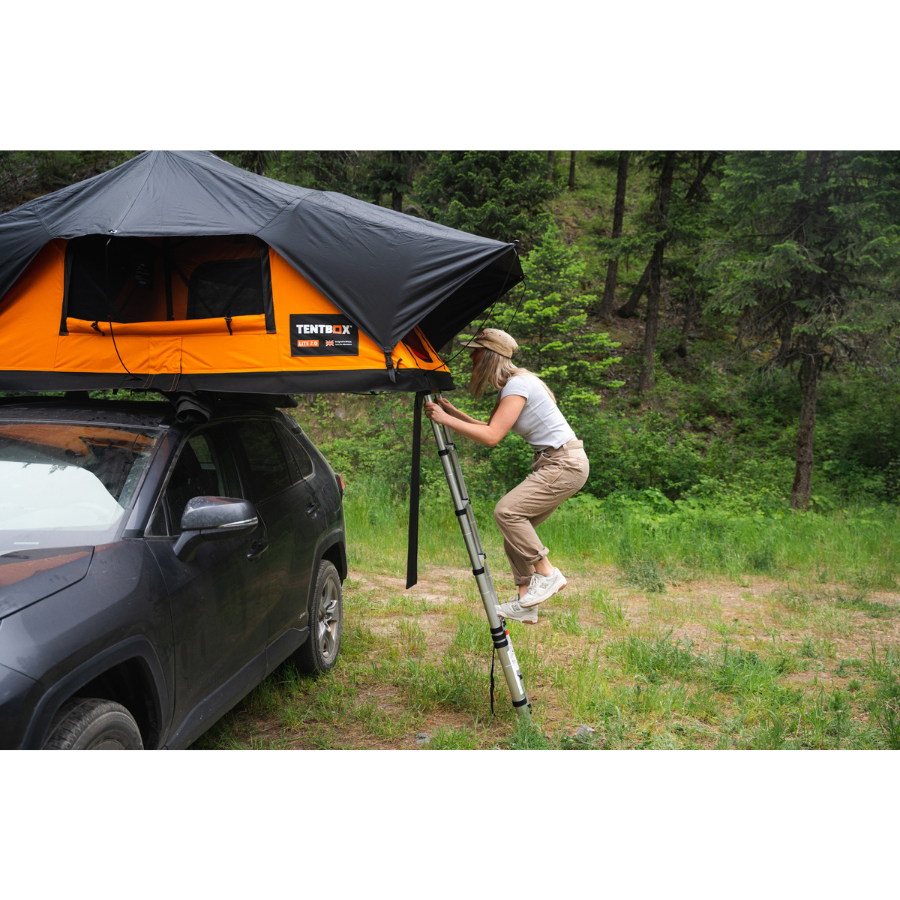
x,y
555,476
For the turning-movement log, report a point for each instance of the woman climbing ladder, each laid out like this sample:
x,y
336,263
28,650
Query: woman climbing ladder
x,y
559,468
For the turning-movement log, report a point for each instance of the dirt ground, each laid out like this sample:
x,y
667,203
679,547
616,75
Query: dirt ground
x,y
370,711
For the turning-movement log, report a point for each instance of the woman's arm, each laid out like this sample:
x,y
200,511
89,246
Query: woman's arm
x,y
503,418
458,413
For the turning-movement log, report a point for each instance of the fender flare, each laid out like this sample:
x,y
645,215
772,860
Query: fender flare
x,y
137,647
336,536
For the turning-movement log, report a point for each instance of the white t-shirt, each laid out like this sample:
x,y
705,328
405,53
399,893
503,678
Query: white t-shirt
x,y
540,422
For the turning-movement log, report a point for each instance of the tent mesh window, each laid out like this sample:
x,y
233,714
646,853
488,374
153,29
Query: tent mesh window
x,y
132,279
226,287
100,269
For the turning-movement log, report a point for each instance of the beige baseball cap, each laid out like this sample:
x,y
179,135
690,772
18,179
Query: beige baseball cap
x,y
494,339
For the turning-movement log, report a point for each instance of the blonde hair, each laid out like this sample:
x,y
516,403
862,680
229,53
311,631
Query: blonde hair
x,y
495,370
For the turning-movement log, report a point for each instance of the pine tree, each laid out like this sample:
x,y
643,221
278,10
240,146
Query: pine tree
x,y
810,263
497,194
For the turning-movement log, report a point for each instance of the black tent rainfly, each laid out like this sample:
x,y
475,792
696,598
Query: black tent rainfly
x,y
179,272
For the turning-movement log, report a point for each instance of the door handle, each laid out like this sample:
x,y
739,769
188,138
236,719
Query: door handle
x,y
257,548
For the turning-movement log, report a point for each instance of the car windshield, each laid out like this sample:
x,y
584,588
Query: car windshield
x,y
67,484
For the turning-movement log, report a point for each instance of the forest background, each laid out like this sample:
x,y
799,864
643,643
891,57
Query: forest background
x,y
719,327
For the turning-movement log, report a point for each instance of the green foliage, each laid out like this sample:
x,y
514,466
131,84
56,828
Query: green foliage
x,y
812,248
655,658
452,739
343,171
497,194
26,174
527,736
552,329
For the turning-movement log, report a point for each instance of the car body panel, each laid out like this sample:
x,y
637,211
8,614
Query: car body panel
x,y
31,575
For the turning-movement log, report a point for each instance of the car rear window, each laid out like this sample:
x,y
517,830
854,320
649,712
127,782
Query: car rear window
x,y
298,459
269,472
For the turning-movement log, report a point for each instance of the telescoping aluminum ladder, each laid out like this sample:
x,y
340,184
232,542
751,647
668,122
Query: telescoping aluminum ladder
x,y
466,518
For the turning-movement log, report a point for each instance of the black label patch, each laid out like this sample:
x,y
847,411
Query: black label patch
x,y
323,335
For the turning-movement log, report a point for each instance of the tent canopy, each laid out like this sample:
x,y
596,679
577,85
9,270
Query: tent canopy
x,y
194,263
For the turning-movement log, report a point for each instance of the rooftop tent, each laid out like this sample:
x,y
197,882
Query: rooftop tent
x,y
180,271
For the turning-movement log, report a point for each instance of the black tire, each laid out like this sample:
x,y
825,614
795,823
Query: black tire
x,y
93,725
319,653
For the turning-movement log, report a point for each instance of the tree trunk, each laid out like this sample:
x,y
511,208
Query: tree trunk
x,y
809,382
551,156
629,308
612,270
656,262
690,305
572,170
651,326
700,177
396,196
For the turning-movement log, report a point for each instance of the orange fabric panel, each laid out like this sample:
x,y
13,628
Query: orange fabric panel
x,y
30,312
93,353
165,354
241,353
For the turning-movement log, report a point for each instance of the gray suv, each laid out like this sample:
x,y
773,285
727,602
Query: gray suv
x,y
158,559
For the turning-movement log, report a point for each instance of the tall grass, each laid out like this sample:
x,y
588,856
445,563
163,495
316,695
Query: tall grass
x,y
860,546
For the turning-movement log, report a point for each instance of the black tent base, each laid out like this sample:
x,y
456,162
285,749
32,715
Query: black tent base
x,y
466,518
324,382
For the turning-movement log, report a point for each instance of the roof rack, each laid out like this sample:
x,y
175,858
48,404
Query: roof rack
x,y
262,401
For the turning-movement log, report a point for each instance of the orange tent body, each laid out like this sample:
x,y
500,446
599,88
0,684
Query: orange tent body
x,y
194,313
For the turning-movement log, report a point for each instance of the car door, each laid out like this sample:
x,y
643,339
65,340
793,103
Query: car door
x,y
219,598
286,502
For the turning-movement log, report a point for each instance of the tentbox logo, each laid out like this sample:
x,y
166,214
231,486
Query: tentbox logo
x,y
323,335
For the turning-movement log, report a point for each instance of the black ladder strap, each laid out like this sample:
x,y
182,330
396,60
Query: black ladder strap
x,y
493,651
412,550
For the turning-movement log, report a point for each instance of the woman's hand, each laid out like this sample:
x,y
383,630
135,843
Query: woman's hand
x,y
436,414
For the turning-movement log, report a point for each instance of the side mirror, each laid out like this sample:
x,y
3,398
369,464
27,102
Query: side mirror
x,y
212,519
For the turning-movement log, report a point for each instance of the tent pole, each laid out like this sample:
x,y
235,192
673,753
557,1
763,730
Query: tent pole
x,y
465,516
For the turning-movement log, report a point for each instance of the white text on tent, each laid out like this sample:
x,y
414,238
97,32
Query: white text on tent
x,y
323,329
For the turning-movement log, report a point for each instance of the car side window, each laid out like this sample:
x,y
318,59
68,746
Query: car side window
x,y
205,467
266,460
298,459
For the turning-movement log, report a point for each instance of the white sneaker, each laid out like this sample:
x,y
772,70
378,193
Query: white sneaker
x,y
518,613
542,587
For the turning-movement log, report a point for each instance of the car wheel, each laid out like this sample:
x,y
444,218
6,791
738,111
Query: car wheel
x,y
93,725
319,652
